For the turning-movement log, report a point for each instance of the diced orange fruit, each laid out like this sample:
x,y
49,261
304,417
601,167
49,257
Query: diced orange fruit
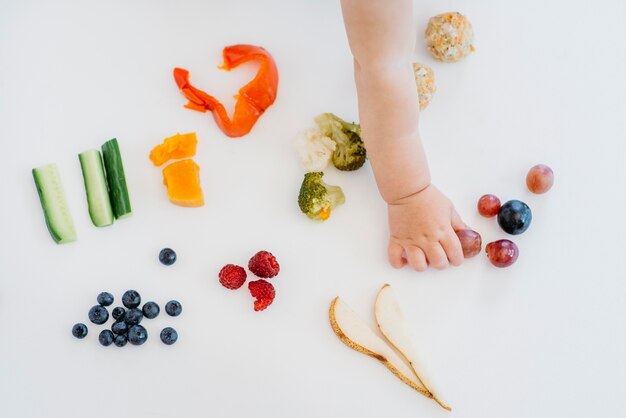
x,y
182,179
174,147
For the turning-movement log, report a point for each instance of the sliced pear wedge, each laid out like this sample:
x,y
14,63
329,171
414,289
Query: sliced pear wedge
x,y
392,325
356,334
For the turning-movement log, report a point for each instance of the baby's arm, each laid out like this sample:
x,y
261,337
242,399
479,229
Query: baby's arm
x,y
422,220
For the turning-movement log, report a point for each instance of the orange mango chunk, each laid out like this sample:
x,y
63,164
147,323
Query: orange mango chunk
x,y
182,179
174,147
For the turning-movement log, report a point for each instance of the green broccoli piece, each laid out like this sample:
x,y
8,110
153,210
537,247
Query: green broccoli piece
x,y
350,153
316,198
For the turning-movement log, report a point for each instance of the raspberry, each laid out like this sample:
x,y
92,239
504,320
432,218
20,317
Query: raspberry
x,y
232,276
264,264
264,293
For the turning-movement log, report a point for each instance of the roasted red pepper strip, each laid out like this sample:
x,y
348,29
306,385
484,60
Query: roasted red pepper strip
x,y
253,98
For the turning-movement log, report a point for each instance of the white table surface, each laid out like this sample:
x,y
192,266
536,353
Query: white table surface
x,y
544,338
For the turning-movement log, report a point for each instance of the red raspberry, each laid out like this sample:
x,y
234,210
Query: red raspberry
x,y
264,293
232,276
264,264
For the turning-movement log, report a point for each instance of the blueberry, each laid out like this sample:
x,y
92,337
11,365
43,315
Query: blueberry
x,y
118,313
79,331
150,310
137,335
105,299
119,328
173,308
169,335
106,338
98,314
133,316
167,256
131,299
514,217
120,340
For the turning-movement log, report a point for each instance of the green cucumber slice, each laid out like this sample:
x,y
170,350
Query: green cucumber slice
x,y
54,204
118,190
96,188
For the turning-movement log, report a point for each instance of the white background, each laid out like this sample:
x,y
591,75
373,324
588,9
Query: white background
x,y
544,338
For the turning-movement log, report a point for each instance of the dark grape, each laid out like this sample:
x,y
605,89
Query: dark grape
x,y
488,205
540,179
470,242
514,217
502,253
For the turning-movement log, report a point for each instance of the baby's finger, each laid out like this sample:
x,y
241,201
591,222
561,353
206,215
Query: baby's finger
x,y
452,246
457,222
436,256
394,252
417,258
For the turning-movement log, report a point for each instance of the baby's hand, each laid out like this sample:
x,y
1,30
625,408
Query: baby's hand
x,y
422,226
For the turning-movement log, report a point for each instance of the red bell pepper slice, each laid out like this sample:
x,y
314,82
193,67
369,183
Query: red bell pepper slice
x,y
253,98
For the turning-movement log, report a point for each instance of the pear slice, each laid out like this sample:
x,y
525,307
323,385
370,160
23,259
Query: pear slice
x,y
356,334
392,325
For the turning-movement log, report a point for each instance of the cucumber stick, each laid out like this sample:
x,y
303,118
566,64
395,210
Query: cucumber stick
x,y
96,188
118,191
55,209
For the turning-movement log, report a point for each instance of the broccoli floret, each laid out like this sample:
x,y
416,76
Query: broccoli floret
x,y
316,198
350,153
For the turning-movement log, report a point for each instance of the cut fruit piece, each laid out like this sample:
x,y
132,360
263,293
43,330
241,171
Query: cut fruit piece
x,y
55,209
392,325
182,179
174,147
118,190
98,199
356,334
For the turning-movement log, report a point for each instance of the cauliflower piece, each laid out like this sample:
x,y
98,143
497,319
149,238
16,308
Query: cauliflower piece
x,y
315,149
425,80
350,154
449,37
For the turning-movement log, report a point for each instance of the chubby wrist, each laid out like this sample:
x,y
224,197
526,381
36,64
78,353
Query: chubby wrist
x,y
401,194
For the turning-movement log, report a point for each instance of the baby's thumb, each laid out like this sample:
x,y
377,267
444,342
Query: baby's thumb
x,y
457,222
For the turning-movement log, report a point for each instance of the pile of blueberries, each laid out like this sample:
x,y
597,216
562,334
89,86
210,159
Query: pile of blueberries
x,y
127,328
